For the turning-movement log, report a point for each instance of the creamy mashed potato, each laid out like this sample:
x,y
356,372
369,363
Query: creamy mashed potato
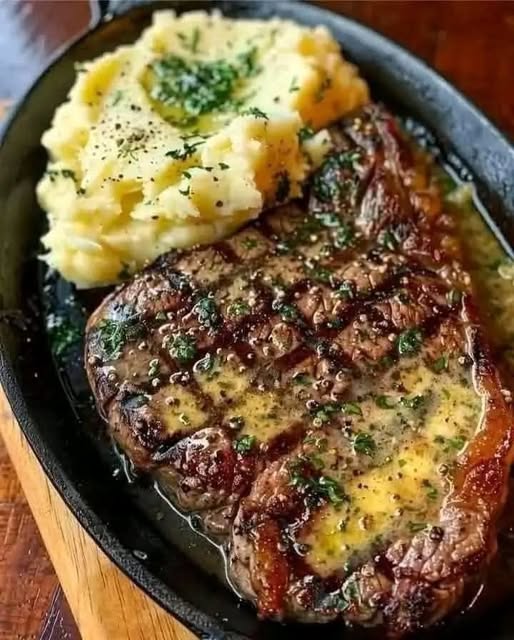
x,y
185,135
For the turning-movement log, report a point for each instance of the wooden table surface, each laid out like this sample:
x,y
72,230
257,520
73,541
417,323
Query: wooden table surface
x,y
471,43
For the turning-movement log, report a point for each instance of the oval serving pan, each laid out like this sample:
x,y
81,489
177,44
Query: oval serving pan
x,y
53,419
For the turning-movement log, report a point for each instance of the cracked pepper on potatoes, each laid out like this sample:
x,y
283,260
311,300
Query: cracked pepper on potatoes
x,y
184,136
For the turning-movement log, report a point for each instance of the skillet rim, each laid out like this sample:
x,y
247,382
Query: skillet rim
x,y
201,623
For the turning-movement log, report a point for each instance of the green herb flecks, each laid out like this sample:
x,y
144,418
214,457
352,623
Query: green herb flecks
x,y
343,237
114,333
117,96
302,379
385,402
245,444
319,486
294,85
194,88
255,112
343,598
207,312
364,443
63,335
457,443
250,243
431,491
182,348
190,43
414,402
409,342
327,183
238,308
388,240
288,312
186,152
346,290
440,364
325,412
305,133
351,409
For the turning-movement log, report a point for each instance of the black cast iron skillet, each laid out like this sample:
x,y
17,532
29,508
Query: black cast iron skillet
x,y
149,541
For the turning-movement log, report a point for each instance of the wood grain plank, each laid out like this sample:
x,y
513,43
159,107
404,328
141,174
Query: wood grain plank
x,y
105,604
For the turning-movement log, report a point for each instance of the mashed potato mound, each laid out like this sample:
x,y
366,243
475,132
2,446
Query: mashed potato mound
x,y
184,136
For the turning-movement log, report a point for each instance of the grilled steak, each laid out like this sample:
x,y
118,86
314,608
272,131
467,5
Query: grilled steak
x,y
318,388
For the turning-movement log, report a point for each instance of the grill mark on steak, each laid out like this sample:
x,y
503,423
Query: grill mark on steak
x,y
306,321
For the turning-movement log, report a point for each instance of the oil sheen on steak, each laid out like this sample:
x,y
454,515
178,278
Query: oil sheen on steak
x,y
318,389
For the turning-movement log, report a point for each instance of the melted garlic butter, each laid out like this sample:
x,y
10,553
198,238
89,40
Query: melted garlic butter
x,y
402,489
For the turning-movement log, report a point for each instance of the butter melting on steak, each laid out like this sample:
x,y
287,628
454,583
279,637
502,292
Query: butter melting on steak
x,y
318,389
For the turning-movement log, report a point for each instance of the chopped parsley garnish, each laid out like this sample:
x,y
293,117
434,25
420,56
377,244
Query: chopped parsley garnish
x,y
294,85
321,486
413,403
431,491
302,379
65,173
223,166
183,348
250,243
207,312
388,240
416,527
305,133
364,443
328,219
194,88
441,364
114,333
248,64
186,151
320,274
409,342
63,335
457,443
351,409
116,97
342,599
327,184
343,237
190,43
185,192
385,402
283,186
245,444
325,412
239,308
288,312
254,111
346,290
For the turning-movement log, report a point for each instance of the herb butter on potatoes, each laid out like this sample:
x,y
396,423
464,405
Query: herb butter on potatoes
x,y
185,135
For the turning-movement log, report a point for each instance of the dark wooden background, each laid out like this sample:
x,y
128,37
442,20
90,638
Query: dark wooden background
x,y
471,43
